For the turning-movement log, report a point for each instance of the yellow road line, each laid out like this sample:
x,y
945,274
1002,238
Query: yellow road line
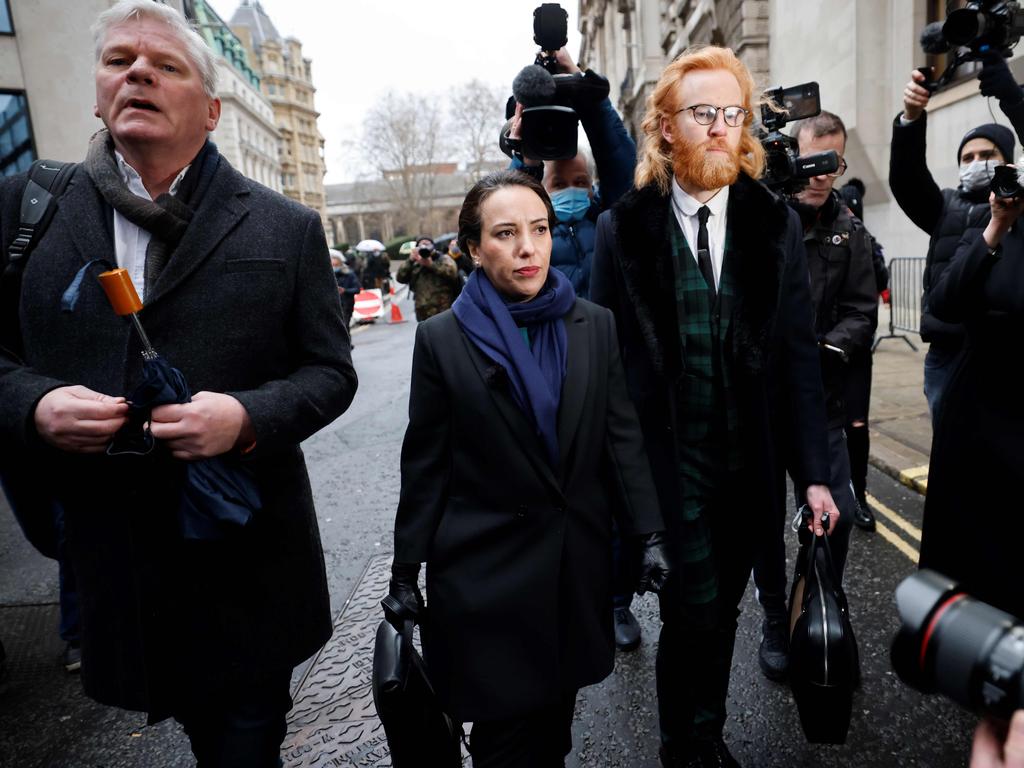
x,y
894,539
895,518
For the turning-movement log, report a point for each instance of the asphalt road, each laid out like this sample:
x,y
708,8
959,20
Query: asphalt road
x,y
46,721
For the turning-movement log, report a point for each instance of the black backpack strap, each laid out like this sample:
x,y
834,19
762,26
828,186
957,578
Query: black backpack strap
x,y
47,180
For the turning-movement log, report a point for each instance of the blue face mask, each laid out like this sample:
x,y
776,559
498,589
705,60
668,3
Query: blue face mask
x,y
571,204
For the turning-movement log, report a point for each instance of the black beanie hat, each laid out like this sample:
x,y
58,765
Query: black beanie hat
x,y
999,135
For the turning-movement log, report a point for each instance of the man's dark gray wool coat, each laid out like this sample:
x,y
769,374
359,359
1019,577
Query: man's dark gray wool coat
x,y
775,360
247,305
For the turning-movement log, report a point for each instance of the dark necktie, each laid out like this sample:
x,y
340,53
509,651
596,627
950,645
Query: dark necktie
x,y
704,251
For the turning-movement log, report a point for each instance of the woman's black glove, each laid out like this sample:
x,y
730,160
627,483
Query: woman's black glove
x,y
404,600
654,564
997,80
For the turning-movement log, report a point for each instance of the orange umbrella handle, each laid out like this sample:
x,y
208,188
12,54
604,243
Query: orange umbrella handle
x,y
120,291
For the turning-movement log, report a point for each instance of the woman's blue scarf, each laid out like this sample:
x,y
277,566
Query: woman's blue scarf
x,y
535,371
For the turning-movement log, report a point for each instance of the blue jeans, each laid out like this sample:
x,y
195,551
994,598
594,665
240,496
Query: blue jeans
x,y
939,363
70,615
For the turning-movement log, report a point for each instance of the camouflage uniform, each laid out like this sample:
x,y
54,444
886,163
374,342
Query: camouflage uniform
x,y
434,282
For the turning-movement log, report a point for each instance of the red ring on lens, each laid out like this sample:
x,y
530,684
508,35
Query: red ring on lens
x,y
934,623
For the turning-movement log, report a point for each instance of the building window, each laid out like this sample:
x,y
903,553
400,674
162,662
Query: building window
x,y
6,28
17,150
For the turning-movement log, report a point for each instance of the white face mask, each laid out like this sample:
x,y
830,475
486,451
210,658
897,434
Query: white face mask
x,y
976,175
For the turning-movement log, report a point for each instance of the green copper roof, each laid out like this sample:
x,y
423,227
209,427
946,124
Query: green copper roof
x,y
223,41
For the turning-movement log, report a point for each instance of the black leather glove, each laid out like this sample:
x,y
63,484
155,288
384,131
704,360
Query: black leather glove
x,y
997,80
404,600
654,564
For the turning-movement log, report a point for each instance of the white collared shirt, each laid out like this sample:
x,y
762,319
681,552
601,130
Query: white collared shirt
x,y
685,209
130,240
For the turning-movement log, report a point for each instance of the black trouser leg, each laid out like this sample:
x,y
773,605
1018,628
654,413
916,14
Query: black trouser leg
x,y
541,740
625,568
770,559
858,444
244,727
696,645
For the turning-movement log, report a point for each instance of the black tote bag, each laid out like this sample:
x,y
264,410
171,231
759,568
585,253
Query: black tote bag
x,y
823,658
419,733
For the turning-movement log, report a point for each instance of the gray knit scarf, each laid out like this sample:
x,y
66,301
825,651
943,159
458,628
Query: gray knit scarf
x,y
165,218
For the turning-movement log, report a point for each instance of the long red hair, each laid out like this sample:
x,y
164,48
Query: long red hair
x,y
655,160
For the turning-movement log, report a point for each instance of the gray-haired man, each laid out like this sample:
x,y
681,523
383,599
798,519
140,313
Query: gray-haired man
x,y
239,294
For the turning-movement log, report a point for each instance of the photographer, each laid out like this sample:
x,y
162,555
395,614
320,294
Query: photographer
x,y
839,260
944,213
570,183
432,277
972,528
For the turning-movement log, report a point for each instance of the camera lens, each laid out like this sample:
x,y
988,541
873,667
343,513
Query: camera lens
x,y
954,644
963,25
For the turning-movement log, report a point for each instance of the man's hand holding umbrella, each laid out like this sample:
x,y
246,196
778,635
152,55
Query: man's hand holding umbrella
x,y
79,420
211,424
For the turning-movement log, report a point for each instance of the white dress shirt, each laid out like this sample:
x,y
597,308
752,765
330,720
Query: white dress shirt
x,y
130,240
686,207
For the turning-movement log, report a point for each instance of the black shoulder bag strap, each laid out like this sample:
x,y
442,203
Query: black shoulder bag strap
x,y
47,180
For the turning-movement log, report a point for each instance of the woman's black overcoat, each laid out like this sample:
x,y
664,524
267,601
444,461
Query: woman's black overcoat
x,y
518,554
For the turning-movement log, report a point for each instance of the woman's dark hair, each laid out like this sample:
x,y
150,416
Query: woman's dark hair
x,y
470,222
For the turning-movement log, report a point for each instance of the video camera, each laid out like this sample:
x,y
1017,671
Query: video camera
x,y
550,100
956,645
980,27
1006,182
786,171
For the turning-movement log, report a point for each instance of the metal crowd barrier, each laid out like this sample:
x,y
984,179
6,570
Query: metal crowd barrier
x,y
906,282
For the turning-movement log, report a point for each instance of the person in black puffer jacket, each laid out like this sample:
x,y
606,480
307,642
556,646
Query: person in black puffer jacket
x,y
944,213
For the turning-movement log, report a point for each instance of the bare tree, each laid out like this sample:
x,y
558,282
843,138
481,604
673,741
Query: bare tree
x,y
476,112
403,141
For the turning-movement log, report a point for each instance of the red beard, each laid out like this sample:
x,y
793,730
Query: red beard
x,y
695,167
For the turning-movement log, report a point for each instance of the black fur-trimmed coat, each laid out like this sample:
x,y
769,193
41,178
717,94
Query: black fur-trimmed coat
x,y
771,345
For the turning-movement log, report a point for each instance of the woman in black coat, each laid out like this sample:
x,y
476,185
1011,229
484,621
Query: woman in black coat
x,y
973,521
520,386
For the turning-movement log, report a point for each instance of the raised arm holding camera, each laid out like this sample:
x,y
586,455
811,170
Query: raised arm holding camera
x,y
944,213
570,182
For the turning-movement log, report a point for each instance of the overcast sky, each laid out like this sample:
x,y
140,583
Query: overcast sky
x,y
362,48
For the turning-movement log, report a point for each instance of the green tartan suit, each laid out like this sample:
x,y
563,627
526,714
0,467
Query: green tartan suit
x,y
715,388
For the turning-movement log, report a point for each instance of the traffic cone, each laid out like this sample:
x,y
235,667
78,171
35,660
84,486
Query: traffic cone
x,y
396,313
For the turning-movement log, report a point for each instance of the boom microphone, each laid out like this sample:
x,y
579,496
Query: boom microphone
x,y
534,87
932,39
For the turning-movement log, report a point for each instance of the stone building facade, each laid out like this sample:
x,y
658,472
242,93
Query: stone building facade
x,y
47,90
370,209
861,53
287,82
247,134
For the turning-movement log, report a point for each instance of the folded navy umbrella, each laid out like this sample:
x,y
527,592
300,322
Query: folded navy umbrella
x,y
219,493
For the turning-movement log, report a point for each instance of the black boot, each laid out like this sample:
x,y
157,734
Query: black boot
x,y
627,630
773,655
864,516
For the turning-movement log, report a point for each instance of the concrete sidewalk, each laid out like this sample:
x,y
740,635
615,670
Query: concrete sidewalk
x,y
901,429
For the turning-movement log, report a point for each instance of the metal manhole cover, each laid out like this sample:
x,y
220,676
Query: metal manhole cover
x,y
334,723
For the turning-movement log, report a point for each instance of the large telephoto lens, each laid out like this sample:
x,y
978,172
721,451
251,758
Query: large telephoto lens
x,y
956,645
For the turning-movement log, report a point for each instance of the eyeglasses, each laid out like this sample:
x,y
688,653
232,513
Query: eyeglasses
x,y
838,171
705,114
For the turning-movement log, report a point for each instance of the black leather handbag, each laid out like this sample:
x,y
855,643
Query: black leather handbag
x,y
419,733
823,658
